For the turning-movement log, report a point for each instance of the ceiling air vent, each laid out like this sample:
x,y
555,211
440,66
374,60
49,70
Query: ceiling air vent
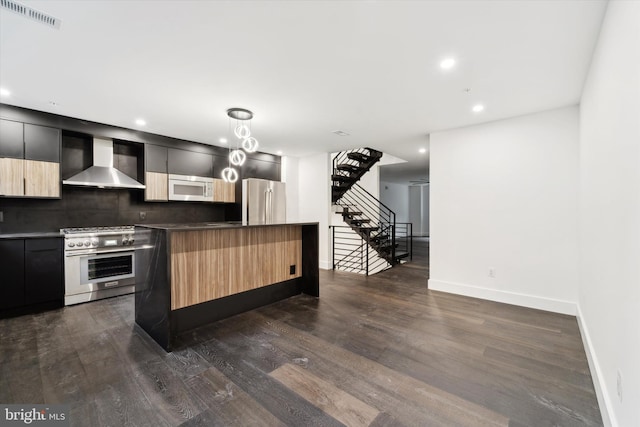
x,y
31,13
340,133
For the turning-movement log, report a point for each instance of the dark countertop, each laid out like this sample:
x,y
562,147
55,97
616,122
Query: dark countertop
x,y
214,225
36,235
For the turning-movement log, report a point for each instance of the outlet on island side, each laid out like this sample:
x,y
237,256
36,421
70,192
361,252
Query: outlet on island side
x,y
292,269
492,272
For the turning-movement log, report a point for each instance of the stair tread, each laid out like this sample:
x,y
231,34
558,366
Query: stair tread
x,y
342,178
350,168
359,157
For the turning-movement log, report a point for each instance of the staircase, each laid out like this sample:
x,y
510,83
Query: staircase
x,y
369,244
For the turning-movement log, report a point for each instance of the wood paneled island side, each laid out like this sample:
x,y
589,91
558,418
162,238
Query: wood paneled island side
x,y
194,274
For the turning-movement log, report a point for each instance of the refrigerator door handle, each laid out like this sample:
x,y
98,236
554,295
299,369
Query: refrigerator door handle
x,y
268,206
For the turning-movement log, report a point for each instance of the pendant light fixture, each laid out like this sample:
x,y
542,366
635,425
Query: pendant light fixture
x,y
242,131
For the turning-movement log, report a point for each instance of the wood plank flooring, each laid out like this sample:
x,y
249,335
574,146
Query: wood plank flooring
x,y
372,351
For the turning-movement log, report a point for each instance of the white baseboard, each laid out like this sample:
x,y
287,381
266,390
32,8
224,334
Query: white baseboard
x,y
524,300
325,265
604,399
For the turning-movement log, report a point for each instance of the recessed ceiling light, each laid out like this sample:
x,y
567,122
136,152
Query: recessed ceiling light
x,y
141,122
447,63
4,92
279,152
422,150
477,108
223,140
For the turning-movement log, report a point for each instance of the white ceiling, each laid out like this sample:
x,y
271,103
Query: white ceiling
x,y
305,68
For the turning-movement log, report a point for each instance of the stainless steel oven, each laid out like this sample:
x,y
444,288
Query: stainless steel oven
x,y
99,263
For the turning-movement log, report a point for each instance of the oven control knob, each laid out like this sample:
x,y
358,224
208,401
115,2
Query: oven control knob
x,y
87,243
94,242
131,240
71,244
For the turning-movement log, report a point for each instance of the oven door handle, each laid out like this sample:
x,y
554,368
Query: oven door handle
x,y
100,252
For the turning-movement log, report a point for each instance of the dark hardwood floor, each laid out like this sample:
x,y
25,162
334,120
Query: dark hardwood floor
x,y
372,351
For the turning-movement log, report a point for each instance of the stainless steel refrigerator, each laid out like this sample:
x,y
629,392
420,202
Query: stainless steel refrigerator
x,y
263,201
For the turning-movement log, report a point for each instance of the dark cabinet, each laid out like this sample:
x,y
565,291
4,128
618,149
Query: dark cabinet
x,y
254,168
30,142
32,275
41,143
11,139
43,276
183,162
12,267
155,158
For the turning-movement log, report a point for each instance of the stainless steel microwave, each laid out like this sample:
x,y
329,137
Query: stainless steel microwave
x,y
190,188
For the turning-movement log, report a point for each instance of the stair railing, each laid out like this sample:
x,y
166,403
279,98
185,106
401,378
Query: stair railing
x,y
365,214
352,252
382,225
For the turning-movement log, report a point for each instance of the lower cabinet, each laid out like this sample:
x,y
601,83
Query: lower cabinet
x,y
32,275
12,267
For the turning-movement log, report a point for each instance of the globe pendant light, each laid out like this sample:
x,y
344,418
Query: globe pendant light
x,y
237,157
229,174
242,131
250,144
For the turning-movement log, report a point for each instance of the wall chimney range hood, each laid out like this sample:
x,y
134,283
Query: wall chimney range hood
x,y
102,174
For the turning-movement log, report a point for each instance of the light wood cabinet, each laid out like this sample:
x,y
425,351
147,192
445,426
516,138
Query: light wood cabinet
x,y
41,179
11,177
224,191
29,178
157,186
29,160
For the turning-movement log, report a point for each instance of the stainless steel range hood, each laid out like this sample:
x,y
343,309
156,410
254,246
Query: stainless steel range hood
x,y
102,174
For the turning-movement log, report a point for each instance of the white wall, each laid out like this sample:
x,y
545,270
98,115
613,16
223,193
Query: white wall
x,y
396,197
289,174
609,291
504,197
314,197
419,209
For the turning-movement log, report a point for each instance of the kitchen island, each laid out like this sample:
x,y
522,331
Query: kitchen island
x,y
194,274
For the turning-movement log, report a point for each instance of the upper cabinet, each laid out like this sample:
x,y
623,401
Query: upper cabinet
x,y
29,160
224,192
161,161
183,162
156,177
11,139
42,143
155,158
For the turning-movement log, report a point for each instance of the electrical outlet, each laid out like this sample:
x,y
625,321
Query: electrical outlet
x,y
1,216
292,269
492,272
143,216
619,385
